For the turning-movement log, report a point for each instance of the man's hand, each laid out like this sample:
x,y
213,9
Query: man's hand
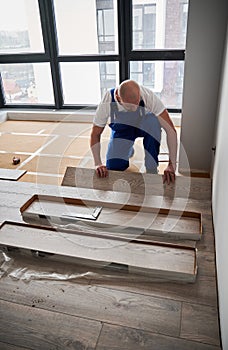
x,y
169,174
101,170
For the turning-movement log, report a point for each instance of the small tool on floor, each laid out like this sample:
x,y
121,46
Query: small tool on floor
x,y
16,160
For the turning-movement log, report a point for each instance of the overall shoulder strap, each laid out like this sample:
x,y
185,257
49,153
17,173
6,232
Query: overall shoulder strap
x,y
113,105
141,108
141,103
112,94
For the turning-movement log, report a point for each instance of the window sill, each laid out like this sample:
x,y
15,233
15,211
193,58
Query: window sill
x,y
80,116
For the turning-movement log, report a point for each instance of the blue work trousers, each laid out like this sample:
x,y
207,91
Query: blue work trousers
x,y
125,129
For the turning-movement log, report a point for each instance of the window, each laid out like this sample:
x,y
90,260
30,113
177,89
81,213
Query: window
x,y
144,26
159,26
165,78
84,27
27,83
66,54
86,82
20,27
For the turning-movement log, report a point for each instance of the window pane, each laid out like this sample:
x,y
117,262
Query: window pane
x,y
159,24
20,28
165,78
86,82
27,83
86,27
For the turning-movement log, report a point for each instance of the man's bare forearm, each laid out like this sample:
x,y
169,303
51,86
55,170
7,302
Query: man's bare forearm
x,y
95,144
96,150
171,133
172,146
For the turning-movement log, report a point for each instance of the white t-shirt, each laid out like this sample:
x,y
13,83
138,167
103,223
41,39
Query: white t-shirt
x,y
152,104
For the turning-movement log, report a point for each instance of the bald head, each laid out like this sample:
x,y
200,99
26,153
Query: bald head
x,y
129,93
129,89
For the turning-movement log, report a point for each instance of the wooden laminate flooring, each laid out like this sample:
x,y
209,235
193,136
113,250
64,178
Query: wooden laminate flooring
x,y
46,303
51,304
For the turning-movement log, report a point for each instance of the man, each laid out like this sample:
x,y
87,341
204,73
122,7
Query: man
x,y
135,111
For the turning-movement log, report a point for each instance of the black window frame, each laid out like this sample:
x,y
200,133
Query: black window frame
x,y
124,57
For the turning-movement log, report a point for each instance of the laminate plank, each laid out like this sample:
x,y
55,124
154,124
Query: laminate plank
x,y
166,261
145,184
203,291
11,214
102,304
27,268
205,327
19,188
207,243
7,346
40,329
14,195
11,174
206,263
115,337
115,217
13,200
208,223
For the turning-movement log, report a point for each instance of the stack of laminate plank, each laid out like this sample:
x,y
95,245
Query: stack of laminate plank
x,y
139,239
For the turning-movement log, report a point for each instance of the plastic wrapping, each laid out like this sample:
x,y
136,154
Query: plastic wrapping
x,y
30,265
27,265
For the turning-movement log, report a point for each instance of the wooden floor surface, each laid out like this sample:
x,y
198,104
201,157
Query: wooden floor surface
x,y
46,304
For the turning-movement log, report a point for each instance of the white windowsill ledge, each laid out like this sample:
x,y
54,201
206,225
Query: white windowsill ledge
x,y
80,116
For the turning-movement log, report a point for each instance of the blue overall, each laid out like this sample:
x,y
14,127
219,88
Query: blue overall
x,y
126,127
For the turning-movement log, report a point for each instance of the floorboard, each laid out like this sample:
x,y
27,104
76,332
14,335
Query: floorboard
x,y
115,337
11,174
41,329
6,346
205,327
145,184
100,304
203,291
172,263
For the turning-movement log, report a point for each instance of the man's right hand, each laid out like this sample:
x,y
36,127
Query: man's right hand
x,y
101,170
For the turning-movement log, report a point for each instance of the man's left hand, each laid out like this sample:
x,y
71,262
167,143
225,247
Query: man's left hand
x,y
169,175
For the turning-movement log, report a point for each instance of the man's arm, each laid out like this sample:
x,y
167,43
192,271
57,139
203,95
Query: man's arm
x,y
167,125
95,146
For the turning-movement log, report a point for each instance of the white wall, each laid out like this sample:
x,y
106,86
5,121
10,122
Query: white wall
x,y
220,203
204,51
